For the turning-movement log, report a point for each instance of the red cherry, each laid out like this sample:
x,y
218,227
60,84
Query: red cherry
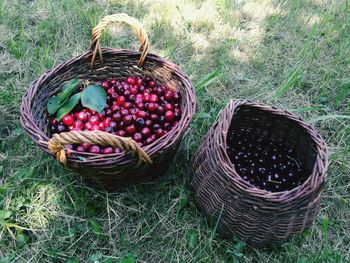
x,y
169,95
121,100
140,105
68,120
134,91
160,132
110,91
124,112
69,147
156,126
117,117
108,112
133,111
108,150
82,116
115,107
159,91
153,98
177,96
175,123
160,109
80,149
78,125
85,145
96,127
154,117
137,137
121,125
104,84
95,149
94,120
151,84
149,141
127,105
141,114
148,123
128,119
169,115
139,82
169,107
106,122
130,80
70,128
146,132
88,126
114,96
146,97
152,107
113,125
131,129
167,126
101,125
127,93
121,133
53,121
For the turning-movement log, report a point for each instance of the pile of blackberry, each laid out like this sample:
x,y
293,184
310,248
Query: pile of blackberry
x,y
266,164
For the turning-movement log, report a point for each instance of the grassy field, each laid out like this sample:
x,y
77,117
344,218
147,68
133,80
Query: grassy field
x,y
294,54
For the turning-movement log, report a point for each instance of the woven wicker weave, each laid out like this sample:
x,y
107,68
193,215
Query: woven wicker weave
x,y
135,164
257,216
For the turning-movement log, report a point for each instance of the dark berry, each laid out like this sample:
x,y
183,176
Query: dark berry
x,y
95,149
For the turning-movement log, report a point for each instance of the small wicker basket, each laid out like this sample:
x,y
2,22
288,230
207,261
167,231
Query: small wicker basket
x,y
134,164
257,216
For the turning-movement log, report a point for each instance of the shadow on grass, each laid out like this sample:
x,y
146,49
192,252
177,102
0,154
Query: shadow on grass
x,y
156,222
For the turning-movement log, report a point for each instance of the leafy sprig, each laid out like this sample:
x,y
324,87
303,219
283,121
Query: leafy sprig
x,y
93,97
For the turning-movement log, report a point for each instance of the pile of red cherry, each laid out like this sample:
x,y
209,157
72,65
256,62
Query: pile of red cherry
x,y
137,107
267,164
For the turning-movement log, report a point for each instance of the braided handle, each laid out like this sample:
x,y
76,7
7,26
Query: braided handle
x,y
122,17
58,141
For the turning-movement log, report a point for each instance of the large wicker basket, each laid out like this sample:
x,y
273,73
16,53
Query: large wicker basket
x,y
134,164
257,216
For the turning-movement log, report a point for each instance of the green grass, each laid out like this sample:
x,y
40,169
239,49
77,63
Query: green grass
x,y
294,54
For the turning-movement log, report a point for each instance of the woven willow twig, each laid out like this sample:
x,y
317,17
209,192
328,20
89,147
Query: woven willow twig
x,y
257,216
58,141
111,171
134,23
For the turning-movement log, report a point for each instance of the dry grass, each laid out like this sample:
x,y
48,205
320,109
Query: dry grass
x,y
294,54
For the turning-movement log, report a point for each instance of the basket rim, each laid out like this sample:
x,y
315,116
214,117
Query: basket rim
x,y
166,141
314,181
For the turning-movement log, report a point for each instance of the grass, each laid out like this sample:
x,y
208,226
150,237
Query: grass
x,y
294,54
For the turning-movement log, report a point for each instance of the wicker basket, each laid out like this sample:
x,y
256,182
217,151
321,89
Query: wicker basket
x,y
134,164
257,216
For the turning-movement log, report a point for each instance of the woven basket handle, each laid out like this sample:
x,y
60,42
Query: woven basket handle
x,y
58,141
122,17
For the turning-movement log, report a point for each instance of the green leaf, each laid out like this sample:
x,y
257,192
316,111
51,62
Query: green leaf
x,y
207,79
94,97
53,104
68,89
68,106
56,102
